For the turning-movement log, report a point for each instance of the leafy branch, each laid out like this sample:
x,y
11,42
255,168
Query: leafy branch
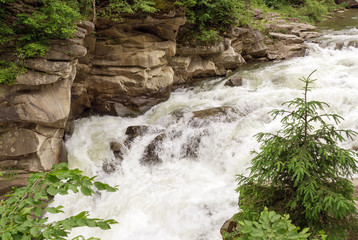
x,y
21,214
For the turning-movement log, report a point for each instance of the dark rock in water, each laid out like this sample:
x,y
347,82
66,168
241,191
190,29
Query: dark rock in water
x,y
191,148
212,112
134,131
204,117
234,81
109,167
150,155
117,149
228,227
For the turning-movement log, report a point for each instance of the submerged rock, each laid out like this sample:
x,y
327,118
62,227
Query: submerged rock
x,y
117,149
150,156
134,131
234,81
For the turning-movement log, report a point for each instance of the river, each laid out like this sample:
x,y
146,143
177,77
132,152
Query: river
x,y
189,196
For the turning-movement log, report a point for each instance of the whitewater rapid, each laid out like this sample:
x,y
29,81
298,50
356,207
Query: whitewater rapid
x,y
190,197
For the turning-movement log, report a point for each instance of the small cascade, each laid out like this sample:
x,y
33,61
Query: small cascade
x,y
176,164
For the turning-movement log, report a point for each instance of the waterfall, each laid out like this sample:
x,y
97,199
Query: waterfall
x,y
191,192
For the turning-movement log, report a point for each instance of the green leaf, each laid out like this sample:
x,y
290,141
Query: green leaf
x,y
103,225
53,210
6,236
86,191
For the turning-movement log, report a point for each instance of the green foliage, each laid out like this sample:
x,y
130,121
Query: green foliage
x,y
21,214
206,18
307,10
115,8
27,35
302,171
9,72
270,225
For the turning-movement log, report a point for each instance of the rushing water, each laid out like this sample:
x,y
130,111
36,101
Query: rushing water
x,y
188,197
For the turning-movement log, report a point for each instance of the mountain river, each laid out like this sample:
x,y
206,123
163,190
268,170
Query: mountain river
x,y
192,192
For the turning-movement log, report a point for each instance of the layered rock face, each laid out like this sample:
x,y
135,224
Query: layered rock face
x,y
35,110
127,68
283,40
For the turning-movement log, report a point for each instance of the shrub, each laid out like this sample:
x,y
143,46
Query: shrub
x,y
209,16
21,214
9,72
302,171
271,226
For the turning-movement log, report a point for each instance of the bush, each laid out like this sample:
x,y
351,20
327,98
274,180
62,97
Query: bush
x,y
21,214
270,225
302,171
207,18
9,72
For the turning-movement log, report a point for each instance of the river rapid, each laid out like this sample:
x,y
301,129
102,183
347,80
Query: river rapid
x,y
189,196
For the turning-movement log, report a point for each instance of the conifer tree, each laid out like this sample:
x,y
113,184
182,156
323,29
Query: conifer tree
x,y
301,170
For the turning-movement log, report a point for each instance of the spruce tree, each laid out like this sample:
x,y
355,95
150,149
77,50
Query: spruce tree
x,y
301,170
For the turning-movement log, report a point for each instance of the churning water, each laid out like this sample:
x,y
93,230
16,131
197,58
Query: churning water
x,y
192,192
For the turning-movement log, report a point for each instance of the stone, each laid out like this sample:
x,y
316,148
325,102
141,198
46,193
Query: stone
x,y
258,14
37,78
229,226
258,49
234,81
288,38
117,149
134,131
7,183
17,143
201,50
150,156
65,52
200,68
212,112
63,69
89,26
48,105
79,100
191,147
229,58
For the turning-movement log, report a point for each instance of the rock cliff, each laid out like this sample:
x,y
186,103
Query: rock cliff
x,y
34,111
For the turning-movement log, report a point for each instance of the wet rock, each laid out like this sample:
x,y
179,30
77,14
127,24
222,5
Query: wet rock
x,y
150,156
288,38
258,14
117,149
109,167
201,50
229,226
134,131
191,147
234,81
213,112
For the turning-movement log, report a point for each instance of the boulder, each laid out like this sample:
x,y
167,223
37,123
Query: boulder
x,y
37,78
229,58
201,50
288,38
134,131
150,156
63,69
117,149
234,81
48,104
